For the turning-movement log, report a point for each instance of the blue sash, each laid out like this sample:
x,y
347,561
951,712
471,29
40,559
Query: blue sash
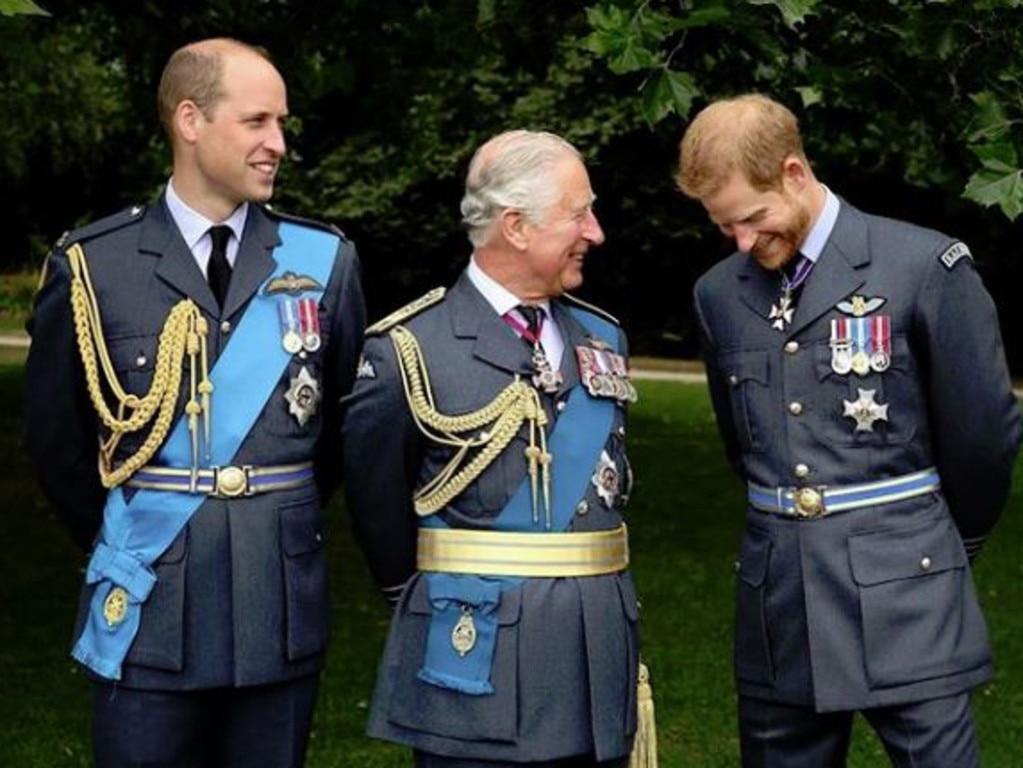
x,y
578,437
136,533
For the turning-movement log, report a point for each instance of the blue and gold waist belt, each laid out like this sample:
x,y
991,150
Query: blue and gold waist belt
x,y
818,500
224,482
500,553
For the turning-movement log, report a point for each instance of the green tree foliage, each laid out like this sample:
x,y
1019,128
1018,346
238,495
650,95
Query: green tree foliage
x,y
906,105
20,8
932,86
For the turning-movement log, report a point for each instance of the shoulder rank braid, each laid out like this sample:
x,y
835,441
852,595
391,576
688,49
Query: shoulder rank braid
x,y
183,335
489,429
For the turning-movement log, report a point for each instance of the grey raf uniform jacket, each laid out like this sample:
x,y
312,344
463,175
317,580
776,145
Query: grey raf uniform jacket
x,y
872,606
564,669
241,593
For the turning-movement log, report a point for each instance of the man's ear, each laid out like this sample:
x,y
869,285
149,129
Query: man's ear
x,y
514,228
187,119
794,173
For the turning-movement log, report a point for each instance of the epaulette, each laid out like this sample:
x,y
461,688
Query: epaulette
x,y
409,310
101,226
953,253
314,223
590,307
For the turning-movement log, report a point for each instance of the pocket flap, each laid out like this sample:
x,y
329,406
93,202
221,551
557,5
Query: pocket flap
x,y
754,556
745,366
301,529
890,555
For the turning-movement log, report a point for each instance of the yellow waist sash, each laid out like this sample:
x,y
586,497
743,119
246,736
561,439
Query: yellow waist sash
x,y
499,553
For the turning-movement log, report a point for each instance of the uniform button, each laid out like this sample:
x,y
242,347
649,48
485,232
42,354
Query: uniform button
x,y
582,508
225,327
561,405
925,563
791,347
621,430
733,379
795,408
801,471
140,361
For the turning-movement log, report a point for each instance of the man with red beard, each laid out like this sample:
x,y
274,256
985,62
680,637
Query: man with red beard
x,y
861,391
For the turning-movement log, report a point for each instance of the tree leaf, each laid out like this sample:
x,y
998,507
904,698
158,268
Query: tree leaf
x,y
21,8
989,187
793,11
668,91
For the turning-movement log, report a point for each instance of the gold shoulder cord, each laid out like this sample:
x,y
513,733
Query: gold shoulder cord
x,y
499,422
183,334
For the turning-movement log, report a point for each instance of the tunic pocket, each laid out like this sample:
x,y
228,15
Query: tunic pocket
x,y
432,709
305,579
920,614
752,639
160,640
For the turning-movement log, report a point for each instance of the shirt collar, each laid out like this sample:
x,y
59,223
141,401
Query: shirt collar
x,y
821,230
499,297
193,225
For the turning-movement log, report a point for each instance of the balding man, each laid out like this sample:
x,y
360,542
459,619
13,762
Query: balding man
x,y
486,475
182,413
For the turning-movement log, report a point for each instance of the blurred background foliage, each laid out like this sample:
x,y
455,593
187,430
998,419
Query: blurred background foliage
x,y
910,108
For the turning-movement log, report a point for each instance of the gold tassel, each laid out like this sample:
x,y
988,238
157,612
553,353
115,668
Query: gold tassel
x,y
644,749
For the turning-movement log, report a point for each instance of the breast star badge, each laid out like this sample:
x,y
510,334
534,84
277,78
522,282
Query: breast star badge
x,y
865,410
303,396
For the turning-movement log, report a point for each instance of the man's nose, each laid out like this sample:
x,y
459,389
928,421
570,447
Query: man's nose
x,y
592,231
745,237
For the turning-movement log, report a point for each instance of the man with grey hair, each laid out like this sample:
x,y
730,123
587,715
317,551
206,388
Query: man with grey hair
x,y
485,457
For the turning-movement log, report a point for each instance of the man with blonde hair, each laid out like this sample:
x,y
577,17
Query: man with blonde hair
x,y
862,394
182,413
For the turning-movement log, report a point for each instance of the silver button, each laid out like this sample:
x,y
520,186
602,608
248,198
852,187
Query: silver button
x,y
621,430
791,347
733,379
225,327
140,361
801,471
795,408
925,563
561,405
582,508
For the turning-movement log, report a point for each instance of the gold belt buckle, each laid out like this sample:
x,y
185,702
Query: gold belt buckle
x,y
231,481
808,502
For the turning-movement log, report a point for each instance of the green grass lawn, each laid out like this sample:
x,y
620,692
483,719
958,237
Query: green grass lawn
x,y
685,519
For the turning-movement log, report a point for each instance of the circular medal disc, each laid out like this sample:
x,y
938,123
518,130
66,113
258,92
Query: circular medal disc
x,y
311,341
879,361
861,363
291,342
841,362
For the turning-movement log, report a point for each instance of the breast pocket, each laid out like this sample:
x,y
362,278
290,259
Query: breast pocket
x,y
747,374
887,399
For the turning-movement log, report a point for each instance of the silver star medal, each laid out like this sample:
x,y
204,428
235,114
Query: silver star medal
x,y
605,479
303,396
865,410
781,313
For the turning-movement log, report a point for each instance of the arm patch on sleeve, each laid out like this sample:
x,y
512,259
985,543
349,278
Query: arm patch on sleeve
x,y
953,253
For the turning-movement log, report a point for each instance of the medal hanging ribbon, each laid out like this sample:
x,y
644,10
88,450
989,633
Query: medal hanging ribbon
x,y
309,323
781,313
841,346
881,343
287,311
545,378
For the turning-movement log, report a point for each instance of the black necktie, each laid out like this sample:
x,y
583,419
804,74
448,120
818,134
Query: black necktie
x,y
218,273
